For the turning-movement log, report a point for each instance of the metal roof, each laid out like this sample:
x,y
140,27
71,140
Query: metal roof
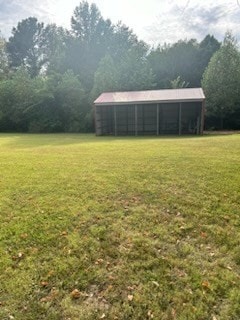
x,y
150,96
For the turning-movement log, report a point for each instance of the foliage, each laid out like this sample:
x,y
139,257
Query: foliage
x,y
16,95
207,47
4,68
134,71
123,40
221,80
88,24
106,77
70,97
52,104
91,34
141,227
95,55
56,39
187,59
131,72
26,46
178,83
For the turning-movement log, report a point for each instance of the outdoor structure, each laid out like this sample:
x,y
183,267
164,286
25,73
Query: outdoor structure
x,y
152,112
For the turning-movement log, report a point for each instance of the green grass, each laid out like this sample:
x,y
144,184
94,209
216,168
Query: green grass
x,y
143,228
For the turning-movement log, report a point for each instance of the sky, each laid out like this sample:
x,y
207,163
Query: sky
x,y
155,21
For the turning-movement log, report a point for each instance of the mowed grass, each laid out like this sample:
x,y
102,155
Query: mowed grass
x,y
140,228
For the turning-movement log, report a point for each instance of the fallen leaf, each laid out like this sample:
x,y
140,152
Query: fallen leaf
x,y
110,287
19,256
52,295
24,235
130,288
130,297
45,299
173,312
44,283
99,261
103,316
156,283
49,274
75,294
206,284
150,315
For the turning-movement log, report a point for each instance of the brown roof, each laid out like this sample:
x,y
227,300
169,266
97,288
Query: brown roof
x,y
150,96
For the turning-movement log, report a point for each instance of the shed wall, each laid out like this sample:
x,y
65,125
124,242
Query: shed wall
x,y
149,119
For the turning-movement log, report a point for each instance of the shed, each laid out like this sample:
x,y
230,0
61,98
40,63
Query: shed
x,y
151,112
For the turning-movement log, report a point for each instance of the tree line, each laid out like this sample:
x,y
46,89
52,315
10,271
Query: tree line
x,y
50,76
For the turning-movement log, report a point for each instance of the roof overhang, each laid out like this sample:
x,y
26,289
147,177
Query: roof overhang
x,y
150,97
145,102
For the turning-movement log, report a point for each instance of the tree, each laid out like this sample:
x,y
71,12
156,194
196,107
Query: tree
x,y
3,60
17,94
134,71
55,103
178,83
187,59
88,24
55,47
70,97
25,46
207,47
105,78
91,34
221,81
122,40
170,61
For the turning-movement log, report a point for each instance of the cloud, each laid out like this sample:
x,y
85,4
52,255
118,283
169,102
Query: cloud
x,y
155,21
194,21
13,11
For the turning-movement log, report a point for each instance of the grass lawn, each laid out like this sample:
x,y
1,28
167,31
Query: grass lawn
x,y
119,228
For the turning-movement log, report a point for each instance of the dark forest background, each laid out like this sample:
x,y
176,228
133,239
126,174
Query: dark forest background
x,y
50,76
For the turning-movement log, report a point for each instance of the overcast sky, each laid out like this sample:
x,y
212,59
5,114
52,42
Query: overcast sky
x,y
155,21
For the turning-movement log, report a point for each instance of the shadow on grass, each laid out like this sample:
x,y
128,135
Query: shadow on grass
x,y
28,140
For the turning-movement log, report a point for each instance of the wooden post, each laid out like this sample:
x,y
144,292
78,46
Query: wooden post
x,y
143,118
180,119
160,118
198,125
136,120
115,121
126,118
157,119
202,117
95,120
